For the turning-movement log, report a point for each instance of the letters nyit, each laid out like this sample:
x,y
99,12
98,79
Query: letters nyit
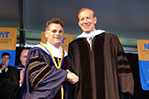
x,y
4,34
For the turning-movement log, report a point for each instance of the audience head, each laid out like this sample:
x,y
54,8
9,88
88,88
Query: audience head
x,y
5,57
23,56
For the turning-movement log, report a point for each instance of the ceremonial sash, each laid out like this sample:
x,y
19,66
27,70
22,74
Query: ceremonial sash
x,y
58,66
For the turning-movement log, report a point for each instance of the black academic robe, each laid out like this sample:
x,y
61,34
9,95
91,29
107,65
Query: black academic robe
x,y
103,71
9,84
42,79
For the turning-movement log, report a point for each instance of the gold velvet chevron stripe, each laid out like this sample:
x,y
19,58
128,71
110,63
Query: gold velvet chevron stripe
x,y
40,76
35,68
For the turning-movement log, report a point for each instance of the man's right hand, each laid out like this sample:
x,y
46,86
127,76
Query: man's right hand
x,y
72,78
5,65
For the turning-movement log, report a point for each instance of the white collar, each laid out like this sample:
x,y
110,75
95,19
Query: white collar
x,y
6,69
91,34
56,52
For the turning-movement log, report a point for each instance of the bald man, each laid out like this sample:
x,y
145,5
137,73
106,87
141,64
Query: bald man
x,y
22,65
22,59
98,58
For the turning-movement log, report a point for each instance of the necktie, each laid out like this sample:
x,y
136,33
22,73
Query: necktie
x,y
90,42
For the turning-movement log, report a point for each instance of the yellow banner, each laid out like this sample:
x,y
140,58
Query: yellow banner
x,y
143,49
8,38
67,38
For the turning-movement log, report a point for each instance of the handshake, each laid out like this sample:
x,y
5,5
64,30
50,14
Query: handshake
x,y
71,77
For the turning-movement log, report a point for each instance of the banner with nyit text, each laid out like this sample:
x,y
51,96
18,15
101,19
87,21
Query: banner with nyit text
x,y
143,55
8,38
67,38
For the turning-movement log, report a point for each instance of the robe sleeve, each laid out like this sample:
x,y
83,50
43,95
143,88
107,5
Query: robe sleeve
x,y
74,55
41,74
74,64
125,75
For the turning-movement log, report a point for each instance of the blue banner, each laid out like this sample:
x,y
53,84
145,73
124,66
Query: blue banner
x,y
144,74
